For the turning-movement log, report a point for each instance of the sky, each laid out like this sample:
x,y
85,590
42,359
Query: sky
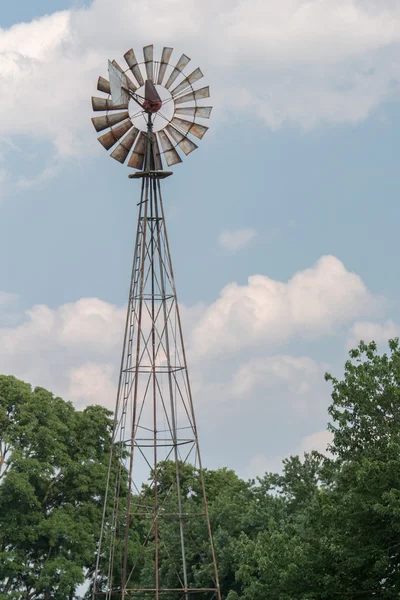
x,y
283,224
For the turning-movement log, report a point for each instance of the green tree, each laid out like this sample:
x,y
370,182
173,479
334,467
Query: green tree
x,y
53,462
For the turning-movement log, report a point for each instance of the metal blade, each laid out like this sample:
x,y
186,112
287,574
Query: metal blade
x,y
183,142
148,61
105,121
180,65
137,157
111,137
193,111
171,155
197,95
105,104
103,85
122,150
118,81
192,78
193,128
166,55
134,67
128,81
157,155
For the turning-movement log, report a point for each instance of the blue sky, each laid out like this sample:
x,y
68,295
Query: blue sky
x,y
302,153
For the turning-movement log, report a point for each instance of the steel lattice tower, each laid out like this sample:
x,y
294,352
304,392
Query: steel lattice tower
x,y
156,540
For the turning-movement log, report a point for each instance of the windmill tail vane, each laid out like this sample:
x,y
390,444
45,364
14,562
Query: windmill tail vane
x,y
155,540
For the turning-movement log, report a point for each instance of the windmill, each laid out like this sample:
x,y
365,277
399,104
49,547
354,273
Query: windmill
x,y
156,540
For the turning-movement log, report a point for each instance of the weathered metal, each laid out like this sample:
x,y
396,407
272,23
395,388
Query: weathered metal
x,y
136,159
134,67
105,121
171,155
103,85
183,141
187,82
111,137
121,152
180,65
192,111
196,95
152,101
106,104
190,127
165,56
148,61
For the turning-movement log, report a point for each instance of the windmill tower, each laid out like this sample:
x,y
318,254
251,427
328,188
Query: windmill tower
x,y
155,539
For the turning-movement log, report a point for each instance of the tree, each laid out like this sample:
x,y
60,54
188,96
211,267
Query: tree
x,y
54,463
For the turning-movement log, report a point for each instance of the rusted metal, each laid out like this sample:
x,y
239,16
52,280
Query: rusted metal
x,y
106,104
105,121
184,143
137,157
195,111
134,67
190,127
189,80
180,65
196,95
111,137
121,151
152,102
171,155
148,61
103,85
157,154
165,56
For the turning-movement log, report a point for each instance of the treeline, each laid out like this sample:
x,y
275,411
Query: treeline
x,y
325,528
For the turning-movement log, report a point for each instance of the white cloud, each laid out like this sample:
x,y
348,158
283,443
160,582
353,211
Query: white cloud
x,y
368,331
283,60
314,302
236,239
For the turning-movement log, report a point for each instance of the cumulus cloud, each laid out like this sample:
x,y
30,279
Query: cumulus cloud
x,y
236,239
286,60
368,331
314,302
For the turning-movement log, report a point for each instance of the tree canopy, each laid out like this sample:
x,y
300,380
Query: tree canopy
x,y
325,527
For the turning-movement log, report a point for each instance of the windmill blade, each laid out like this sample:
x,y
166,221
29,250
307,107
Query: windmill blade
x,y
157,154
105,121
103,85
122,150
105,104
183,142
134,67
118,81
195,111
189,127
180,65
137,157
148,61
196,95
192,78
111,137
171,155
166,55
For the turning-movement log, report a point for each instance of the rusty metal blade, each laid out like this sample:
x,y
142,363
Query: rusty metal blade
x,y
197,95
122,150
183,142
134,67
166,55
105,104
103,85
157,155
111,137
148,61
195,111
171,155
105,121
137,157
192,78
189,127
180,65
